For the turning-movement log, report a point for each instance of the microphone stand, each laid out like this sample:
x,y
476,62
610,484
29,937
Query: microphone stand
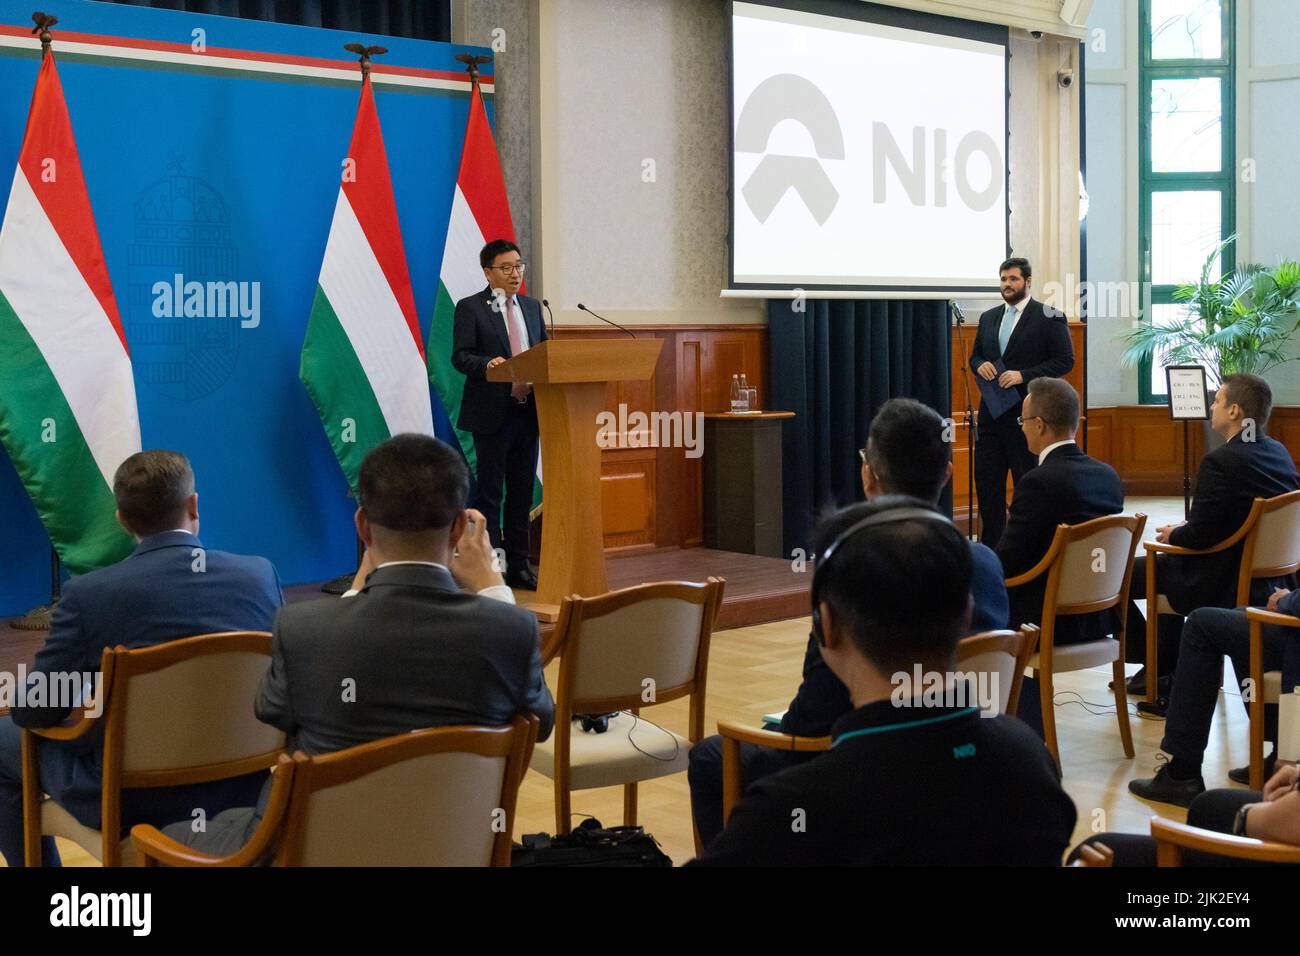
x,y
973,508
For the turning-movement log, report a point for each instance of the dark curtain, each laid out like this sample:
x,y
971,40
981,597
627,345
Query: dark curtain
x,y
416,19
834,365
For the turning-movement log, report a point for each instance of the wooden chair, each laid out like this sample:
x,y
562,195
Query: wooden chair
x,y
174,714
1267,686
1075,586
610,648
1005,653
1271,533
1172,838
1095,854
438,797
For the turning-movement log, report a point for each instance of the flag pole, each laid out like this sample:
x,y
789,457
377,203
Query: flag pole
x,y
38,618
343,583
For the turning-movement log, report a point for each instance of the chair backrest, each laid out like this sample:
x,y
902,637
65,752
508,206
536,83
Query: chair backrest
x,y
438,797
1272,547
182,712
1093,563
1002,655
612,644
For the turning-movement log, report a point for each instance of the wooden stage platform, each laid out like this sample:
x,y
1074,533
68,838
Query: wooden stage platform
x,y
758,590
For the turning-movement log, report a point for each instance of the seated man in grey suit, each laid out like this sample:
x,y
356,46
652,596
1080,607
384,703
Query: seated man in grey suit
x,y
409,649
162,592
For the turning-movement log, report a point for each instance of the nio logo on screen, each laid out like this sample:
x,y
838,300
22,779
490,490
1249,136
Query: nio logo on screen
x,y
792,97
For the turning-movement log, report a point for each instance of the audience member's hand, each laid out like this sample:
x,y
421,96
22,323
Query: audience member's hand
x,y
987,371
473,564
1162,534
363,571
493,363
1007,379
1281,782
1276,596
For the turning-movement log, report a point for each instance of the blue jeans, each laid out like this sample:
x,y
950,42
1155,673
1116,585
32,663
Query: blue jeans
x,y
11,799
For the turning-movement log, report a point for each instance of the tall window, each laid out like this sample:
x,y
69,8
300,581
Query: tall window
x,y
1188,160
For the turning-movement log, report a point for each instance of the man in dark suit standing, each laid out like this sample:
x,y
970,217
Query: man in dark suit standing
x,y
1066,487
1247,466
909,780
408,648
490,327
169,588
1030,340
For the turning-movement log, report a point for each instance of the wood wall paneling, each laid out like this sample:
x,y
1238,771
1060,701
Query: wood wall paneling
x,y
652,497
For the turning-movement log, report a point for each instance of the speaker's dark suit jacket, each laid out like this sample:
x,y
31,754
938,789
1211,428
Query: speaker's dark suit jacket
x,y
155,595
479,336
417,653
1229,480
907,787
1067,488
1039,345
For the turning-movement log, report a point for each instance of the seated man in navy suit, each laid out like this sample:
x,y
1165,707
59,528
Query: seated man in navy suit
x,y
1065,487
161,593
906,454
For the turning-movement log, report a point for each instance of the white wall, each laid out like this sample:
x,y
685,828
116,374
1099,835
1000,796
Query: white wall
x,y
1111,142
1268,209
1268,135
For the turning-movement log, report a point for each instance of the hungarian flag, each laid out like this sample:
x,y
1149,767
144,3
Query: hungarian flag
x,y
480,213
362,360
67,397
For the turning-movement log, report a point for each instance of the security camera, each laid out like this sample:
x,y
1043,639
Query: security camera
x,y
1065,78
1036,34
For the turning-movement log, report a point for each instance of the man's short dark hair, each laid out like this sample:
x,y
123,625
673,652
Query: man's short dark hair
x,y
1017,262
413,483
901,589
495,248
151,489
906,449
1056,403
1253,395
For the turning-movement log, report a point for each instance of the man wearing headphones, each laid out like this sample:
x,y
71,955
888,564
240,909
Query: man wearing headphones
x,y
905,454
910,779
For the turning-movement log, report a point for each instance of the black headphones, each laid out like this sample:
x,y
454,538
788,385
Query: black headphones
x,y
892,516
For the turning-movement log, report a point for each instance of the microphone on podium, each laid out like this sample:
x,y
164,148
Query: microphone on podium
x,y
956,309
607,321
551,314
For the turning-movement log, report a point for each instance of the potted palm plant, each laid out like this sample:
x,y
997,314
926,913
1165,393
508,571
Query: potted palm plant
x,y
1239,323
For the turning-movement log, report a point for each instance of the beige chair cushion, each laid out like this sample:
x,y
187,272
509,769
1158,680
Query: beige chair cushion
x,y
1272,687
610,759
1277,543
1076,657
997,665
435,810
658,639
1092,568
216,723
58,822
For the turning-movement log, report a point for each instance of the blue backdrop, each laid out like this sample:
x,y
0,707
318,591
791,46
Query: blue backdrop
x,y
229,178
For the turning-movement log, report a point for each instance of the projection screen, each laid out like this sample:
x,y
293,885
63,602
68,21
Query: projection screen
x,y
869,150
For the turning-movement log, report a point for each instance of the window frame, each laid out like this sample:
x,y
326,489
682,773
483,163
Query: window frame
x,y
1149,182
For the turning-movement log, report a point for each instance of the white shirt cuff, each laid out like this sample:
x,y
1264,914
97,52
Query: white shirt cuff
x,y
498,592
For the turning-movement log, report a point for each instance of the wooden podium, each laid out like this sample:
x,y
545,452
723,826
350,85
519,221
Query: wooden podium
x,y
569,378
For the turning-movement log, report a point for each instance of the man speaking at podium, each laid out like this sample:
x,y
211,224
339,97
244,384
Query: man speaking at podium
x,y
490,327
1016,343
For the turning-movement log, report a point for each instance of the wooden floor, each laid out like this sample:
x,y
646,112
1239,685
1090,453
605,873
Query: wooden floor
x,y
755,670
